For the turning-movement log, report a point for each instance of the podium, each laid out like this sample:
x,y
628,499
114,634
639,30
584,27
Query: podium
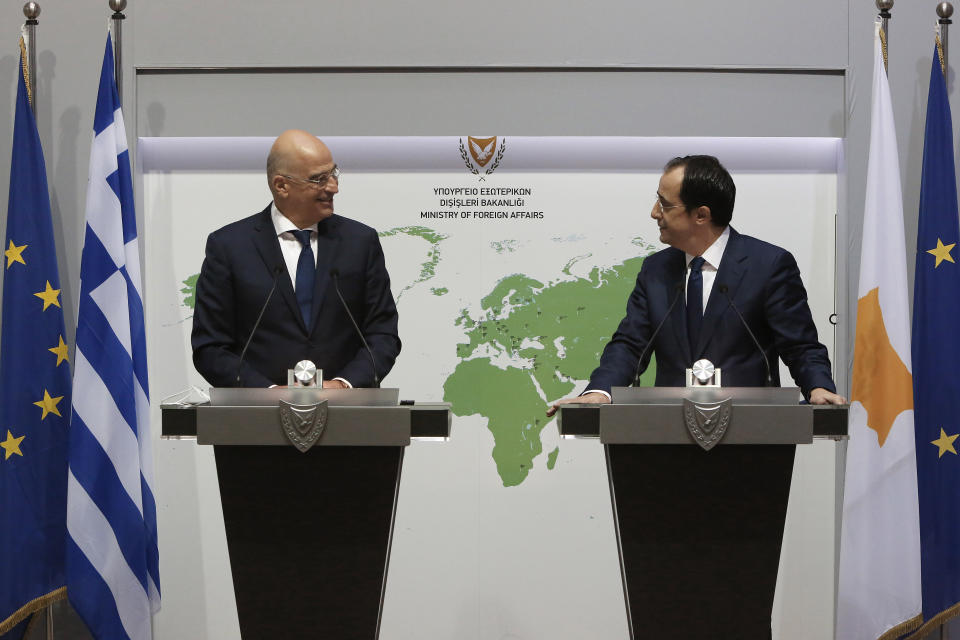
x,y
699,531
308,533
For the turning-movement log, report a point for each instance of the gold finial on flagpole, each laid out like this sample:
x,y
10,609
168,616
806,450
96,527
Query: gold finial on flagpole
x,y
944,11
28,50
884,7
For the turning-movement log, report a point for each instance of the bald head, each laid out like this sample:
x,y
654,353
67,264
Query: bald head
x,y
292,149
297,158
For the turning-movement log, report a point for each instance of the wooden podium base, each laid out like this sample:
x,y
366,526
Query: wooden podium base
x,y
309,537
699,536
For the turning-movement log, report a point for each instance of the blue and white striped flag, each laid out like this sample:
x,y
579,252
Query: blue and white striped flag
x,y
112,559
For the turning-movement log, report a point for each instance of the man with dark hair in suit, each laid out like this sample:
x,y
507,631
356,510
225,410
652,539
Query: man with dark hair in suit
x,y
300,251
709,262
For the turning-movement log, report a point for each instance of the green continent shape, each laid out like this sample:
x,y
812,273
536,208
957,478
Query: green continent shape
x,y
552,458
508,246
430,235
573,261
583,312
428,268
522,319
190,291
503,397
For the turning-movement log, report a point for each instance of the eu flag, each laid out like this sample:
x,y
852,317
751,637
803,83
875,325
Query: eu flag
x,y
936,351
34,389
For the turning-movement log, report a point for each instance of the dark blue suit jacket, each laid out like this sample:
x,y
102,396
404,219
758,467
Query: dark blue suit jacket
x,y
764,282
243,259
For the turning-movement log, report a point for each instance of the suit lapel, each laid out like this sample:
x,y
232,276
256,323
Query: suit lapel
x,y
732,267
328,244
268,246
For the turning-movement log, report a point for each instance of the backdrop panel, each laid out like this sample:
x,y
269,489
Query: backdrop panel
x,y
509,276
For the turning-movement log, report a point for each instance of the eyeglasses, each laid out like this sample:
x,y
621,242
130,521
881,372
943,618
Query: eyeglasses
x,y
320,181
662,207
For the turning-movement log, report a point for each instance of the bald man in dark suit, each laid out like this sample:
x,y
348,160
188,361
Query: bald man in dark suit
x,y
298,246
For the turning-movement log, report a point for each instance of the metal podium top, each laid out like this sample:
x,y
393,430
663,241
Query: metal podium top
x,y
659,410
357,417
256,397
741,396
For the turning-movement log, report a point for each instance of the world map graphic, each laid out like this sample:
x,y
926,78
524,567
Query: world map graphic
x,y
525,343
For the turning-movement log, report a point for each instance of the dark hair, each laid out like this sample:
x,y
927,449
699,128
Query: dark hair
x,y
706,183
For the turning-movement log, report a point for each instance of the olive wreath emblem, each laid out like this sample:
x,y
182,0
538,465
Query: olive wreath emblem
x,y
493,167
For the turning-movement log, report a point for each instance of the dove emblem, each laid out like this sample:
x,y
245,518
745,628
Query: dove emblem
x,y
482,149
481,154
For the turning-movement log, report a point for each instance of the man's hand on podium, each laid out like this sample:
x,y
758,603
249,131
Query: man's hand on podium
x,y
587,398
327,384
822,396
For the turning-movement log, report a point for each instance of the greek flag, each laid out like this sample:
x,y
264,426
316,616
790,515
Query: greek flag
x,y
112,560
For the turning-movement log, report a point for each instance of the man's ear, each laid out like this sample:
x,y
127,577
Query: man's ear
x,y
702,215
279,185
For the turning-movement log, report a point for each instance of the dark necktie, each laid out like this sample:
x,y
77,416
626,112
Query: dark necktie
x,y
695,303
306,275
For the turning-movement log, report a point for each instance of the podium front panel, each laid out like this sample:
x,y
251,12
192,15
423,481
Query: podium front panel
x,y
309,534
664,424
699,532
309,537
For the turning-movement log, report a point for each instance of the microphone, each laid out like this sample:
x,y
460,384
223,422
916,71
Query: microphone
x,y
649,345
276,277
335,274
725,290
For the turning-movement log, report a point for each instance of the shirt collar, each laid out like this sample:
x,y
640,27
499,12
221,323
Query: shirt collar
x,y
282,223
714,252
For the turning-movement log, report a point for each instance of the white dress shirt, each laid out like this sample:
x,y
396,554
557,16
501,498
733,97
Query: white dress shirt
x,y
711,257
290,247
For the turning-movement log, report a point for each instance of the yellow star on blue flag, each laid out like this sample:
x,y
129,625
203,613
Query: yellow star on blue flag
x,y
15,254
60,351
48,404
11,445
945,443
942,252
49,295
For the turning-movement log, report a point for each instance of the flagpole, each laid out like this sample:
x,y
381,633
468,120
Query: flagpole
x,y
31,10
884,6
117,18
944,11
